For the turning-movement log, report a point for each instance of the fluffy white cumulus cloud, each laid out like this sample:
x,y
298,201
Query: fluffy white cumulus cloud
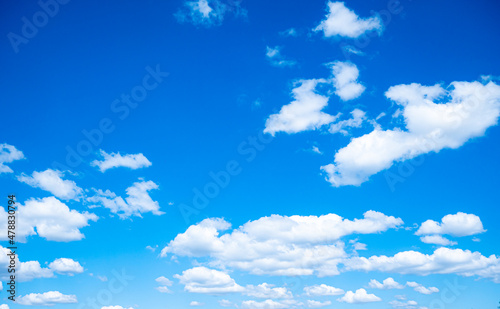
x,y
46,299
434,118
165,283
304,113
459,224
208,12
137,202
422,289
278,245
8,154
387,284
322,290
208,281
360,296
411,304
345,80
341,21
113,160
266,290
4,306
66,266
48,218
437,240
317,304
442,261
53,182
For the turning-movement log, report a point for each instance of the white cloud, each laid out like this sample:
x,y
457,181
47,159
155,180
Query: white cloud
x,y
208,281
358,116
66,266
342,21
459,224
265,290
411,304
316,150
437,240
8,154
49,218
387,284
208,12
113,160
196,304
223,303
322,290
442,261
345,80
137,202
115,307
278,245
304,113
165,283
163,289
469,110
46,299
318,304
360,296
275,57
267,304
4,306
52,181
422,289
290,32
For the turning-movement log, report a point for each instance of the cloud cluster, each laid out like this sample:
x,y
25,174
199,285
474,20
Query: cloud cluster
x,y
114,160
137,202
435,118
387,284
46,299
322,290
208,281
360,296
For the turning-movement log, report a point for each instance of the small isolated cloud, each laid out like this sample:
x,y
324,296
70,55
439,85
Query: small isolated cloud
x,y
48,218
304,113
115,307
360,296
422,289
273,54
208,12
317,304
46,299
411,304
265,290
208,281
53,182
316,150
435,119
196,304
137,202
437,240
8,154
387,284
345,80
322,290
290,32
267,304
66,266
113,160
341,21
349,49
223,303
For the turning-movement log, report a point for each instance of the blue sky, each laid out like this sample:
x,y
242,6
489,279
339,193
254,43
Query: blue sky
x,y
251,154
